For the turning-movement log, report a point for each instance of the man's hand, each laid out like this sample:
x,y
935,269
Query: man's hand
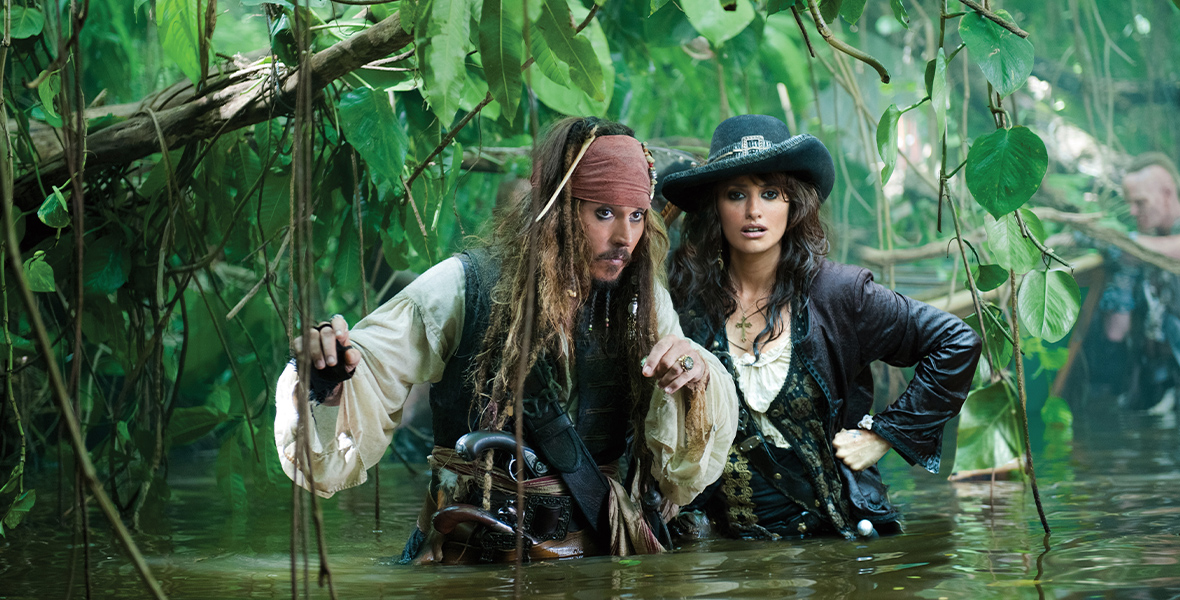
x,y
667,362
859,449
323,351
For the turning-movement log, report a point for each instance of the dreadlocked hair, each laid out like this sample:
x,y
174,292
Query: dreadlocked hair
x,y
563,285
696,278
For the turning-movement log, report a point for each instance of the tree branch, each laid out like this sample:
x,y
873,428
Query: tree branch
x,y
226,108
987,14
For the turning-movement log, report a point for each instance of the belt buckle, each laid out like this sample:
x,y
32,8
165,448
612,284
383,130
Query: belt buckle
x,y
750,443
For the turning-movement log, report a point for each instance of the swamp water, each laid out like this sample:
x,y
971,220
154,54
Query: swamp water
x,y
1112,498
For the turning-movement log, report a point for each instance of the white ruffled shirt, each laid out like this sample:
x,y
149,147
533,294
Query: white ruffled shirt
x,y
761,380
409,340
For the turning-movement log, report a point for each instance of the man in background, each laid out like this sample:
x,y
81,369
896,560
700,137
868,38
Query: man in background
x,y
1141,303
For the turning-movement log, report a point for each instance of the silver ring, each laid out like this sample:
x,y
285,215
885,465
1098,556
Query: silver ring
x,y
686,362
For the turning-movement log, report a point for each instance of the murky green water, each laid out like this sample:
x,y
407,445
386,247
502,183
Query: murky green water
x,y
1113,499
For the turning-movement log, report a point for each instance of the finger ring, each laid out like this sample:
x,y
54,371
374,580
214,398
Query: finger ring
x,y
323,324
686,362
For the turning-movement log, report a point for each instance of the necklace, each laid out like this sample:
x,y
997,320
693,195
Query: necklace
x,y
744,323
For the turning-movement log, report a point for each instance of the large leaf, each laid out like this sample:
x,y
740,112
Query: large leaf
x,y
1049,303
53,211
989,430
711,20
995,339
13,478
176,24
1005,167
26,22
1007,243
887,141
852,9
346,270
190,424
39,273
574,50
47,92
568,100
20,508
106,264
1005,58
501,49
443,44
989,277
939,96
274,204
830,9
373,129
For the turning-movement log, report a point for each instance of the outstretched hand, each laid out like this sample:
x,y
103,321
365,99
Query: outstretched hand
x,y
859,449
668,360
322,348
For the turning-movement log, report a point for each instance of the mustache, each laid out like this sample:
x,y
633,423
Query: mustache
x,y
616,254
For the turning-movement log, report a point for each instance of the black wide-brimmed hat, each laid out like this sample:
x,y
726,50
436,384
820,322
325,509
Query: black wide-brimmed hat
x,y
749,144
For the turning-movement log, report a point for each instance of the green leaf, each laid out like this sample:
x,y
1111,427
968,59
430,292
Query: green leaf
x,y
1056,413
274,204
105,265
1005,168
39,273
48,91
1005,58
373,129
13,478
995,338
900,13
989,430
443,45
714,22
989,277
851,10
500,47
26,22
176,24
346,270
830,9
887,141
190,424
938,93
20,508
1007,243
566,99
576,51
772,7
395,248
1049,304
54,212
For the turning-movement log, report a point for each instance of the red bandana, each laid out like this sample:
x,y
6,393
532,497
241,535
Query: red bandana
x,y
614,171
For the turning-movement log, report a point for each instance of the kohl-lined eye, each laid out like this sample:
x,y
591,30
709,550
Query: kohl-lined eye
x,y
604,213
637,216
771,194
735,195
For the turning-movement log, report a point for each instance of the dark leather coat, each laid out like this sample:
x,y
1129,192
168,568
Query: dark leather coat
x,y
851,321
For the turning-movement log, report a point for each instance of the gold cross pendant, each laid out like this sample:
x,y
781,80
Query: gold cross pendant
x,y
744,324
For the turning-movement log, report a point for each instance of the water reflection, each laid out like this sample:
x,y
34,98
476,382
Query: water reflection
x,y
1111,491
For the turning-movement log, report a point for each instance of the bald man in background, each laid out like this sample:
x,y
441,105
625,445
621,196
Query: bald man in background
x,y
1141,303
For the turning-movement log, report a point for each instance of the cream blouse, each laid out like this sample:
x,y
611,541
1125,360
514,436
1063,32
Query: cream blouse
x,y
761,380
409,340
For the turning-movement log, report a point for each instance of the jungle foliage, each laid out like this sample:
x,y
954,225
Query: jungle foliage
x,y
173,215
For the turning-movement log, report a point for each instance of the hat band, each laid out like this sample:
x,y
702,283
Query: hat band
x,y
749,144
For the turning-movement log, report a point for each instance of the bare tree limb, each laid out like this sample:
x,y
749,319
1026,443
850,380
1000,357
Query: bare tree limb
x,y
222,108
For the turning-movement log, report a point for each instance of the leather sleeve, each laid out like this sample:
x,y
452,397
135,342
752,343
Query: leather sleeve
x,y
904,332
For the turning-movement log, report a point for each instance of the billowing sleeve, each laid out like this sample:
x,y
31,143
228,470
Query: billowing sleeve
x,y
690,440
404,342
943,351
